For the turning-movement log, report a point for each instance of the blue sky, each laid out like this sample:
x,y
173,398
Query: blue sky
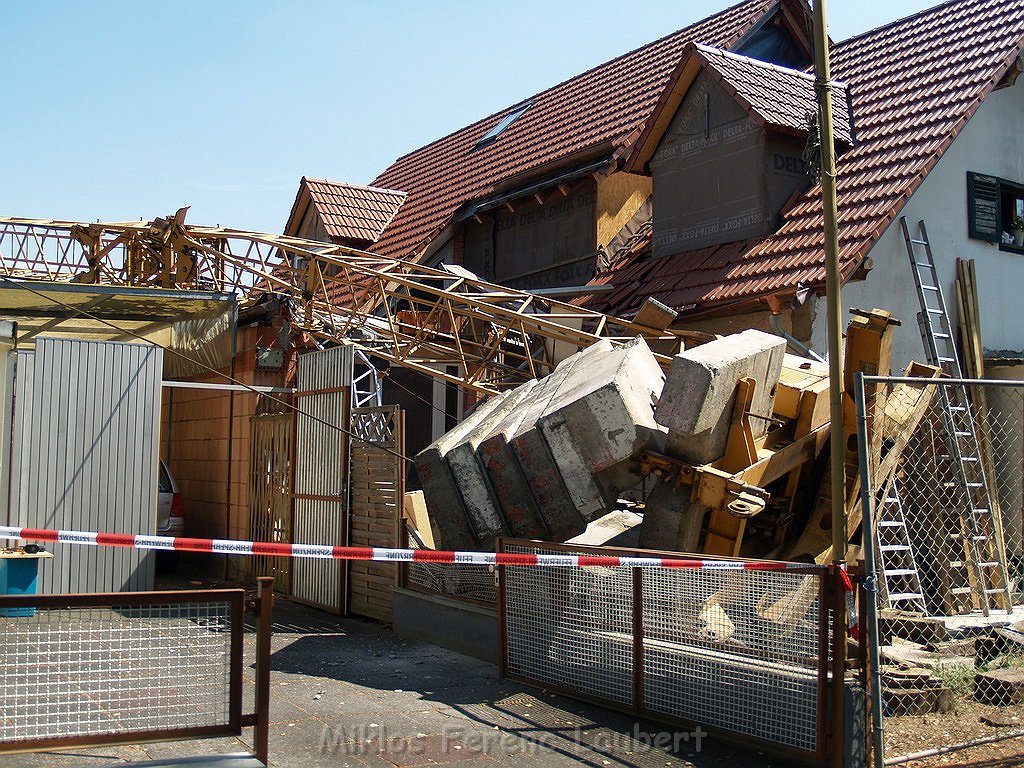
x,y
127,110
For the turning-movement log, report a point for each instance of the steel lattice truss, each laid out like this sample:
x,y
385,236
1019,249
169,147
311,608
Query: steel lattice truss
x,y
412,315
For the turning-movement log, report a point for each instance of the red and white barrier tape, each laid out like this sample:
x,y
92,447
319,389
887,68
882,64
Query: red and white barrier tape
x,y
276,549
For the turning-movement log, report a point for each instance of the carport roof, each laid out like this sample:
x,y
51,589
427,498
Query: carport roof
x,y
58,309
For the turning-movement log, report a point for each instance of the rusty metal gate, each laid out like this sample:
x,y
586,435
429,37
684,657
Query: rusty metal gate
x,y
270,479
323,399
744,653
377,484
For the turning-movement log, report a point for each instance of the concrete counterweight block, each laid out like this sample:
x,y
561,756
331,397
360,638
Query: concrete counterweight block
x,y
700,389
521,442
696,406
526,517
444,501
599,420
467,470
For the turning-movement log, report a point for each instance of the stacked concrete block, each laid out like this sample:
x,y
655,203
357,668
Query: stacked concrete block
x,y
478,496
518,449
542,460
696,407
551,511
600,419
444,500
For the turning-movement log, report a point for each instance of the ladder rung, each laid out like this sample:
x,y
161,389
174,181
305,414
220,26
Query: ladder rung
x,y
906,596
934,311
891,524
989,564
961,591
900,572
995,591
957,408
894,547
919,242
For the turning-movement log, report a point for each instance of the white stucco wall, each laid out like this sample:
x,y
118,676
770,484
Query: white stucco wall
x,y
992,142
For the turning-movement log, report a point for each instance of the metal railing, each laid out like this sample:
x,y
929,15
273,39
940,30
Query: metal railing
x,y
88,669
739,652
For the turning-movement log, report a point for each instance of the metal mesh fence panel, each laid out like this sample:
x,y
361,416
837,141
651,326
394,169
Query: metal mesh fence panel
x,y
476,583
737,651
85,671
571,627
946,472
740,651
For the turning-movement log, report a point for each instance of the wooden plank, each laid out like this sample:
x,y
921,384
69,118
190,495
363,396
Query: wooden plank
x,y
376,488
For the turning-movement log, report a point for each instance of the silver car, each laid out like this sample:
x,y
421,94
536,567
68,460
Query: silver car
x,y
170,517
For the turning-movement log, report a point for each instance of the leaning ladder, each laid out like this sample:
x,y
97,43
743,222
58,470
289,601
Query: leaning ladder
x,y
981,570
900,578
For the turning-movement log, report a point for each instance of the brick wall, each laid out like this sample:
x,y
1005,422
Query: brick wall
x,y
205,439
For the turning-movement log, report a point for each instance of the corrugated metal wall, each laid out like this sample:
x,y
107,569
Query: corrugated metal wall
x,y
321,472
86,426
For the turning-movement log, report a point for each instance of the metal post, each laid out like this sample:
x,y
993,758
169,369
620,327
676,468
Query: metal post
x,y
832,283
837,595
870,632
264,632
638,640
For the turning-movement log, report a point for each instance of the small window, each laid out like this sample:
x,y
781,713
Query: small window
x,y
994,205
165,485
504,123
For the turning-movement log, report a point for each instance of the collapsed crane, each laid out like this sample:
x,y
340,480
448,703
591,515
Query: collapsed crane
x,y
423,318
435,320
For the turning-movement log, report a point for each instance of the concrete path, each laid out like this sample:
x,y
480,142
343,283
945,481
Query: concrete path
x,y
346,692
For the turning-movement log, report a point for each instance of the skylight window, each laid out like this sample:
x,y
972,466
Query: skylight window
x,y
504,123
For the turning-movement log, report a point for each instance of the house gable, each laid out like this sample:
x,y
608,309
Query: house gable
x,y
913,85
336,212
989,143
729,157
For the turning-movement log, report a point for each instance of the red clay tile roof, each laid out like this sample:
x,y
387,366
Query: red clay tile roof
x,y
914,84
578,119
774,96
347,211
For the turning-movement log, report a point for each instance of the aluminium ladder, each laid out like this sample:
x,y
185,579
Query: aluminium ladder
x,y
896,558
978,570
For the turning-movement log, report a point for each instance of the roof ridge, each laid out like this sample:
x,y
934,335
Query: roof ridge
x,y
765,4
367,187
759,63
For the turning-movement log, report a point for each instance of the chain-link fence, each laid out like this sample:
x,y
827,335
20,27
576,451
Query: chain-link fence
x,y
946,478
742,652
